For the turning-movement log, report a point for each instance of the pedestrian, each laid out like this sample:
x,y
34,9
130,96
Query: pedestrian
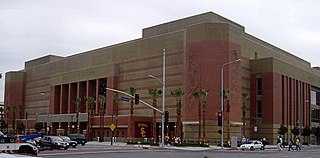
x,y
264,143
244,140
279,143
298,148
290,145
167,140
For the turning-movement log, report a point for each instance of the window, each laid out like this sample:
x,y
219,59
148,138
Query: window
x,y
314,97
259,108
315,115
259,86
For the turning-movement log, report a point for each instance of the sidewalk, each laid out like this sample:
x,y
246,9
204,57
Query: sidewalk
x,y
212,147
107,143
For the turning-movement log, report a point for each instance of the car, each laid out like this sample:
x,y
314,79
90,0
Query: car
x,y
53,142
6,139
79,138
68,140
252,145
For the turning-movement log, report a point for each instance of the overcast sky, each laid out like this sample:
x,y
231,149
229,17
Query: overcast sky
x,y
33,28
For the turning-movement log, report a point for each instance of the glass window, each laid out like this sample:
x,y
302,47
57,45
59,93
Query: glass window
x,y
259,108
315,115
314,97
259,86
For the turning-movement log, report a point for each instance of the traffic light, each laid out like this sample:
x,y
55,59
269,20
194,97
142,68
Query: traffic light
x,y
219,131
166,117
220,119
136,98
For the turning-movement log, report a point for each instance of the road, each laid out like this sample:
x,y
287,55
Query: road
x,y
100,151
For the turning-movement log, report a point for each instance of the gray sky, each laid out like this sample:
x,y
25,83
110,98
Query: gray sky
x,y
33,28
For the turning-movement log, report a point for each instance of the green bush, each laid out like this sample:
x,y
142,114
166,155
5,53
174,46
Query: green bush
x,y
194,145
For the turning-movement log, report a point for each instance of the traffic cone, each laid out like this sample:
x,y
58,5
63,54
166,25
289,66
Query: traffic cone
x,y
17,138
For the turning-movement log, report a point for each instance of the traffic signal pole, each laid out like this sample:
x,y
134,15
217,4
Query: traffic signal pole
x,y
141,101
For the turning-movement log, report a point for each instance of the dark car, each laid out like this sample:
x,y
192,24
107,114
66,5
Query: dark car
x,y
68,140
79,138
53,142
6,139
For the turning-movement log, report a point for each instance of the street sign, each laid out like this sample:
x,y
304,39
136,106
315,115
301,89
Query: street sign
x,y
124,99
112,126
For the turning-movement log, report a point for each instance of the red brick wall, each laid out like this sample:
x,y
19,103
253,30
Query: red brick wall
x,y
202,69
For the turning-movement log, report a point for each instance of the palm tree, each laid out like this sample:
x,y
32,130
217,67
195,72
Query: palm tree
x,y
178,93
154,93
116,107
14,108
204,94
8,110
91,102
77,102
21,109
198,95
225,96
132,92
102,102
244,98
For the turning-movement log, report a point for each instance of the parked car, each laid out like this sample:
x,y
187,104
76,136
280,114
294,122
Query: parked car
x,y
53,142
252,145
6,139
79,138
68,140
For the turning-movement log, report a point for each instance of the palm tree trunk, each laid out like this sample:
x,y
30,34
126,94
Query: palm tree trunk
x,y
204,127
178,123
101,136
199,127
243,126
154,121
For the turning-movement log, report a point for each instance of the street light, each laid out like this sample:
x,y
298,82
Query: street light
x,y
222,97
48,115
163,95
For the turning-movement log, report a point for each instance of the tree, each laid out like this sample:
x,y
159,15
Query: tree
x,y
77,102
91,102
14,108
295,131
21,127
132,92
198,95
306,132
102,103
116,106
4,125
204,107
316,132
8,110
154,93
21,110
244,98
38,126
178,93
282,130
225,95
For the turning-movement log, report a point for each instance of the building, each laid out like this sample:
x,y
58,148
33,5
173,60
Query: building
x,y
281,88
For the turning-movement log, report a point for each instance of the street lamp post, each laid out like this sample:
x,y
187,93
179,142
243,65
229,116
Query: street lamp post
x,y
163,95
222,97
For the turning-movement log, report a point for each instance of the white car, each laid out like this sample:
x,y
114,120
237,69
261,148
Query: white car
x,y
252,145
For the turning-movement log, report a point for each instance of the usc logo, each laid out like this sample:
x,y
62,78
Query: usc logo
x,y
142,127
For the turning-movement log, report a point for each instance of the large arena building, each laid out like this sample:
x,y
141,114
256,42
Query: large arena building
x,y
268,87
